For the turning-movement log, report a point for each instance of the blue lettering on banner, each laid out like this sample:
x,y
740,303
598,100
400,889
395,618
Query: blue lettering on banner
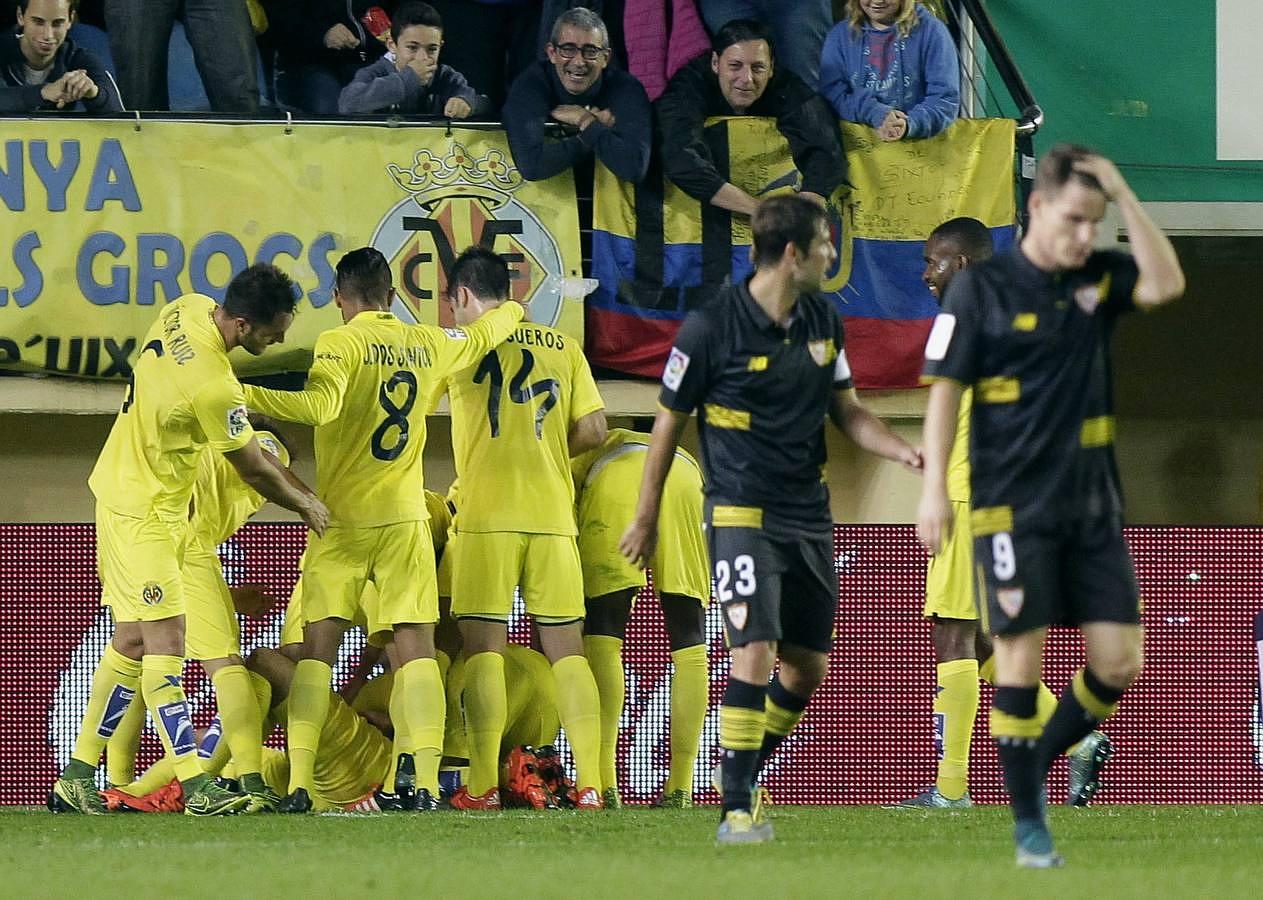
x,y
318,259
95,292
219,243
120,700
12,186
56,179
178,726
32,278
150,273
112,179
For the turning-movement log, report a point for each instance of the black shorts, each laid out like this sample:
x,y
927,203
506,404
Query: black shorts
x,y
774,588
1064,574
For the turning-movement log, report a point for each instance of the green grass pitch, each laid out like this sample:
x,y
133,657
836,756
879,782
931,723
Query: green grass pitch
x,y
819,852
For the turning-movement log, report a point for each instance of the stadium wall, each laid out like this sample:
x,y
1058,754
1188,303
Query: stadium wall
x,y
1188,731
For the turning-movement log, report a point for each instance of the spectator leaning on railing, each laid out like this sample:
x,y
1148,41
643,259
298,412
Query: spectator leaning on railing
x,y
414,81
892,65
604,112
41,69
740,78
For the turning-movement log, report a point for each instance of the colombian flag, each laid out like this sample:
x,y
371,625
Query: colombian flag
x,y
658,253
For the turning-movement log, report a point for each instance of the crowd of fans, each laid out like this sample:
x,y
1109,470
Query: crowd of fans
x,y
664,68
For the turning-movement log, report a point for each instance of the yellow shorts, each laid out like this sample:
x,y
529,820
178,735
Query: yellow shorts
x,y
365,617
138,561
398,559
949,580
607,504
486,567
211,630
444,574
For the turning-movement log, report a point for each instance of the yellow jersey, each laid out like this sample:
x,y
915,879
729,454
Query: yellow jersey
x,y
958,459
183,397
511,419
222,502
618,441
440,513
362,395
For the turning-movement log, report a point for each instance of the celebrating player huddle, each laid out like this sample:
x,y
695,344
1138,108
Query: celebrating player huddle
x,y
551,504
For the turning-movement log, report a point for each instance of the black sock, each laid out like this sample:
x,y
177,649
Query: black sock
x,y
1016,731
783,710
1084,703
741,720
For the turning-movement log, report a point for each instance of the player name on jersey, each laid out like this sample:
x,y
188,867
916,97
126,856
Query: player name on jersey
x,y
386,355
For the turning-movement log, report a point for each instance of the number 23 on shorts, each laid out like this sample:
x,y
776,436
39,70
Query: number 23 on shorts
x,y
738,576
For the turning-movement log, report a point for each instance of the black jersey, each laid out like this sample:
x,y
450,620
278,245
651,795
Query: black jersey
x,y
1034,346
762,394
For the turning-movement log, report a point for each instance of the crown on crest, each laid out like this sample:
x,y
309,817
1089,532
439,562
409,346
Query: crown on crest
x,y
491,176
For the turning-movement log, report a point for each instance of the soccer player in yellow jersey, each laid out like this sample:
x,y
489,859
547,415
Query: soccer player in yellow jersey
x,y
183,400
608,480
362,395
517,416
221,504
962,647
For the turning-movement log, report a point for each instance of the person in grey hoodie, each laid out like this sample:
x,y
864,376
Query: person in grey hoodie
x,y
892,65
414,82
41,70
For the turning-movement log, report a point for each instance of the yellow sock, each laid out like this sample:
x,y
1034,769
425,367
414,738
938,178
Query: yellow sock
x,y
239,715
399,722
308,706
262,691
605,658
160,678
486,708
580,709
425,713
1045,704
114,684
955,708
986,669
690,691
120,749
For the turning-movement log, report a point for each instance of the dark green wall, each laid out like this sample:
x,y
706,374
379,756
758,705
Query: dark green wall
x,y
1136,80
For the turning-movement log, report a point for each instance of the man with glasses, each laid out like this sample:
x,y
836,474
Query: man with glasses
x,y
604,113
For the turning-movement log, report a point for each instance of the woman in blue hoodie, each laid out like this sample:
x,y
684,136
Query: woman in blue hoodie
x,y
891,64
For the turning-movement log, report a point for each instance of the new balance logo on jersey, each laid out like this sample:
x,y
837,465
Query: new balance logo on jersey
x,y
115,708
178,727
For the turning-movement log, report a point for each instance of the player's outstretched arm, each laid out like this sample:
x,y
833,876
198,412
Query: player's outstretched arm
x,y
934,513
320,401
868,432
1161,278
641,537
457,349
278,484
587,432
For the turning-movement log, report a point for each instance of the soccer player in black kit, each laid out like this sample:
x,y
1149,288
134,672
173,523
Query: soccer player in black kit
x,y
764,365
1029,331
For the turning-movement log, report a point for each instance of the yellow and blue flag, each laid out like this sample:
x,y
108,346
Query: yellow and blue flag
x,y
659,253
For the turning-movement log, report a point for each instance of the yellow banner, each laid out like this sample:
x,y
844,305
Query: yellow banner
x,y
104,222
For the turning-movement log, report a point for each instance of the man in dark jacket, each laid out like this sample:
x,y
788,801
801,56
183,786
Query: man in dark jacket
x,y
320,45
739,78
414,82
604,112
41,69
